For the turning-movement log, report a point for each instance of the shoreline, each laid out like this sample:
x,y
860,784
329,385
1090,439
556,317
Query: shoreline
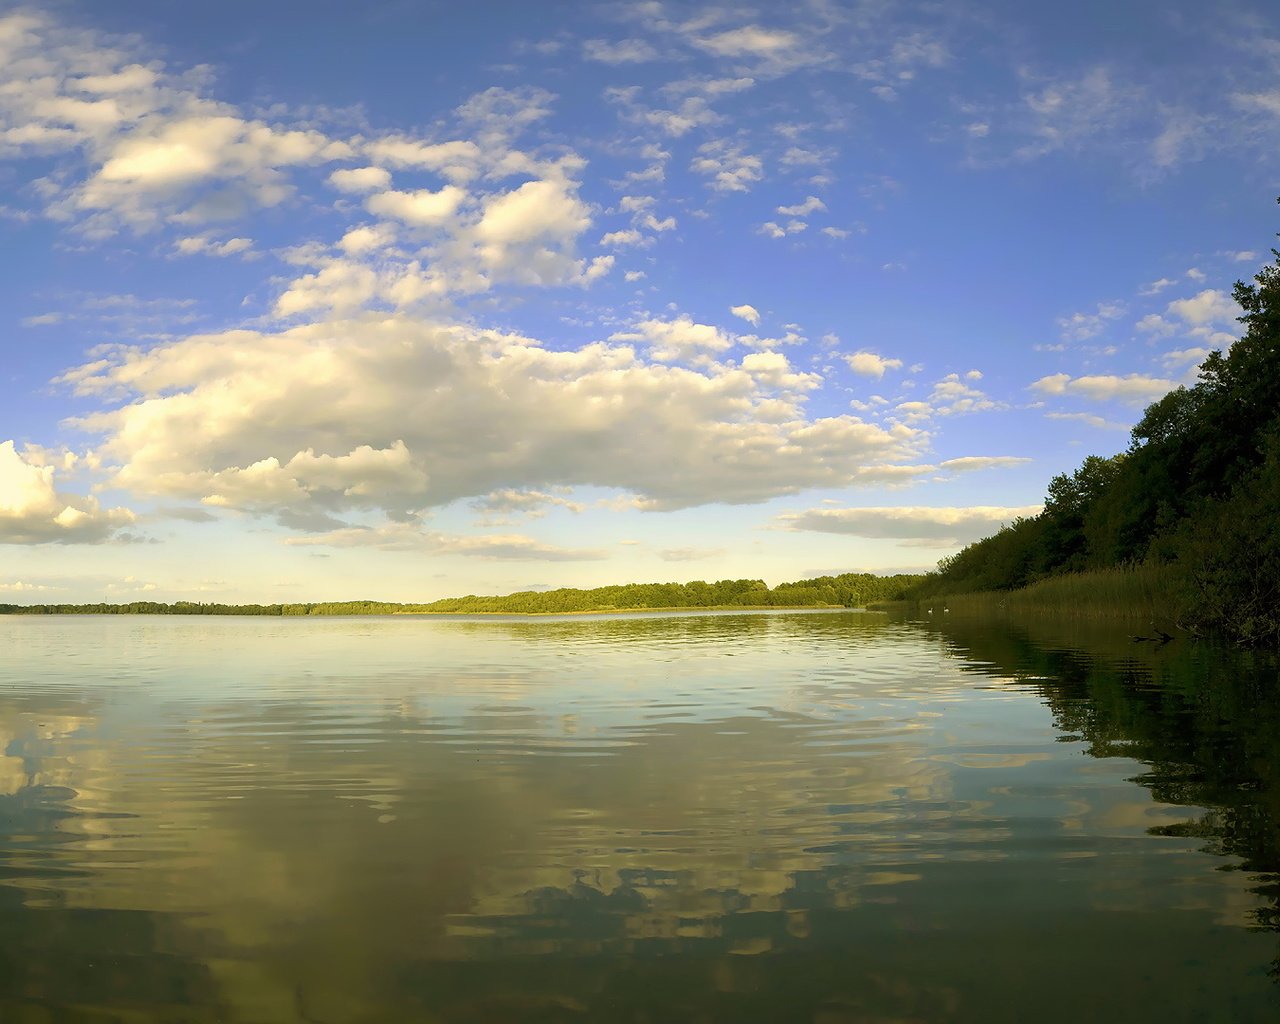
x,y
34,611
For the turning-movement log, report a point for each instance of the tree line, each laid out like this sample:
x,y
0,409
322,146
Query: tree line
x,y
1197,488
848,590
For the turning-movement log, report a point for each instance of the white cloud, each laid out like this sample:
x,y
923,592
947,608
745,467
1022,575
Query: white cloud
x,y
194,244
1087,417
1184,357
751,40
973,463
412,537
395,415
366,239
1154,323
623,239
868,364
727,166
420,209
535,210
811,205
457,160
956,525
1210,306
501,114
771,50
951,396
1155,287
34,511
1135,388
1082,326
361,179
748,313
23,587
151,147
770,229
677,339
691,113
342,285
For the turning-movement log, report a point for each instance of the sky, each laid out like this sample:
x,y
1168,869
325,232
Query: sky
x,y
404,300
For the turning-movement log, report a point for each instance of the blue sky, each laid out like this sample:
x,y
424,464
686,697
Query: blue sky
x,y
406,300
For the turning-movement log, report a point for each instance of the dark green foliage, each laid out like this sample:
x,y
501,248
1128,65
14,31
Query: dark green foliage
x,y
1230,554
1199,487
1004,561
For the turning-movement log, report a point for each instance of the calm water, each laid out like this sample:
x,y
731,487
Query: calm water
x,y
719,818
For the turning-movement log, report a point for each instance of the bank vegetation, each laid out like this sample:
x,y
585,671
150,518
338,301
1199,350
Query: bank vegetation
x,y
1185,521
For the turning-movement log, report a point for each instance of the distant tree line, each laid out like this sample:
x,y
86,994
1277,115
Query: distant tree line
x,y
1198,487
849,590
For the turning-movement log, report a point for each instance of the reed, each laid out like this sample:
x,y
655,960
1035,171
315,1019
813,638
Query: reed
x,y
1145,593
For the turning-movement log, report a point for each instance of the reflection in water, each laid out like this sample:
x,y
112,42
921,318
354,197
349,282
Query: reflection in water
x,y
791,817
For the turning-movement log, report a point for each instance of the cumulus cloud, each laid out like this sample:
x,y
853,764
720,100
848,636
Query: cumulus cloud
x,y
678,339
151,147
624,239
34,511
422,208
1154,323
868,364
727,167
748,313
1210,306
469,242
457,160
952,525
1134,388
397,416
811,205
772,229
361,179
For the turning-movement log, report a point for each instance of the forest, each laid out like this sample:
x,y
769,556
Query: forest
x,y
1197,490
848,590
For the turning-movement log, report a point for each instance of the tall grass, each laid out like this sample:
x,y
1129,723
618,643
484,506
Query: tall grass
x,y
1140,592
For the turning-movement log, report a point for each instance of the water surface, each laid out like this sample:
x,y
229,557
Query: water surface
x,y
822,817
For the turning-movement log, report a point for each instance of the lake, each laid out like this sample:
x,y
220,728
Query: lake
x,y
811,817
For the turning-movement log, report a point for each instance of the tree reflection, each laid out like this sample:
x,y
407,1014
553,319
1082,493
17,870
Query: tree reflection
x,y
1203,719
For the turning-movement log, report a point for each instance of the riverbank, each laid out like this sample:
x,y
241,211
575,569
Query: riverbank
x,y
406,610
1139,593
